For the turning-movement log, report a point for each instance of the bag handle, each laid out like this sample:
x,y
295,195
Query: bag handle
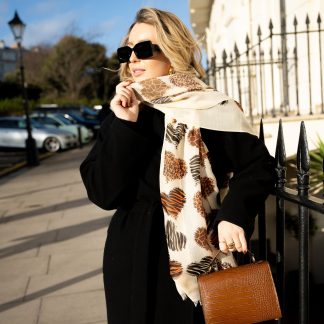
x,y
213,267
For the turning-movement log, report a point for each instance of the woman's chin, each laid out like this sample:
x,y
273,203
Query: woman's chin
x,y
140,78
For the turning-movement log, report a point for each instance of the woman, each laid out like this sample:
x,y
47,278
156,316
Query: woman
x,y
161,159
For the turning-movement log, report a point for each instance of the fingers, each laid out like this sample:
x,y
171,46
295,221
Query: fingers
x,y
244,243
237,243
124,96
231,237
124,104
223,246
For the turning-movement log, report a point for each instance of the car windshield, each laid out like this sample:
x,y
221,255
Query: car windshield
x,y
76,116
70,118
34,123
89,111
64,120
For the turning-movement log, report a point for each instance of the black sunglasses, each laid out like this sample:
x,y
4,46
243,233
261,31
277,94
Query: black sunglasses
x,y
142,50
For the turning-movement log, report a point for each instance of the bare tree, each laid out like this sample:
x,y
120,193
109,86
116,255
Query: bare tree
x,y
71,68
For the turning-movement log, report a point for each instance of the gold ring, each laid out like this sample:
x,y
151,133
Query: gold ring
x,y
231,245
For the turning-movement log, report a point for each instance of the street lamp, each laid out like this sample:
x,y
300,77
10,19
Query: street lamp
x,y
17,27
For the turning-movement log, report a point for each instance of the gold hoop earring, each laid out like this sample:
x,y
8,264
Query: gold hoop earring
x,y
171,70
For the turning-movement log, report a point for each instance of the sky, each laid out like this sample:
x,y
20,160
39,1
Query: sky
x,y
102,21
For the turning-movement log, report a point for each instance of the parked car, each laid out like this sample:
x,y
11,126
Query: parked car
x,y
93,124
82,115
13,134
58,121
85,111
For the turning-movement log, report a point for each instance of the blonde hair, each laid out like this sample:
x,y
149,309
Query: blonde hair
x,y
174,39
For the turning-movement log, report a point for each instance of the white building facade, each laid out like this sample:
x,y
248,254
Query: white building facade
x,y
8,60
220,25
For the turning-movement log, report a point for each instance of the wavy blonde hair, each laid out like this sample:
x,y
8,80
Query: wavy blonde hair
x,y
174,39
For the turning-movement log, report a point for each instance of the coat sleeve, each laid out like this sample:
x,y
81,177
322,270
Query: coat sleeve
x,y
111,168
253,175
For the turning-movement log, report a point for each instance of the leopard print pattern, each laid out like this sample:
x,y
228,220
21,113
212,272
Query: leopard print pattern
x,y
194,137
202,239
174,168
198,204
154,88
207,186
184,80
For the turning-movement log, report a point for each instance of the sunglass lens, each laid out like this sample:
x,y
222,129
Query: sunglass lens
x,y
124,53
143,50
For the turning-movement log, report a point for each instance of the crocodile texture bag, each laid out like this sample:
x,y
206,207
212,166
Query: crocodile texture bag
x,y
241,295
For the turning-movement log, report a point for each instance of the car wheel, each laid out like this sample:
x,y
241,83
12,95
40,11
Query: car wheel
x,y
52,144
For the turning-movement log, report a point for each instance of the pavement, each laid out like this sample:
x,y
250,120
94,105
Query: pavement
x,y
51,245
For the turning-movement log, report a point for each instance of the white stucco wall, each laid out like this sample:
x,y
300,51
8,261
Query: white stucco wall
x,y
230,22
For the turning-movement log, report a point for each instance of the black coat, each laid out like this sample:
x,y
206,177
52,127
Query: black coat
x,y
122,172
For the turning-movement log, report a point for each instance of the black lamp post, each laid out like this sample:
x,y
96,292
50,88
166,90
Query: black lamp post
x,y
17,27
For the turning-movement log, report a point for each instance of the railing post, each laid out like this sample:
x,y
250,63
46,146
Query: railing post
x,y
280,160
309,68
319,20
296,65
225,72
80,137
260,71
283,33
272,76
238,75
213,64
303,163
232,75
247,42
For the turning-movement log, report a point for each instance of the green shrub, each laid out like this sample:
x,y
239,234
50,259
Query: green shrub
x,y
13,106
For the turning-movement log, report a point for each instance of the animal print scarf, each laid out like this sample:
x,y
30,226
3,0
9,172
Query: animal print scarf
x,y
187,184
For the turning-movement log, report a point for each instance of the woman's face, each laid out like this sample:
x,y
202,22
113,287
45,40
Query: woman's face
x,y
155,66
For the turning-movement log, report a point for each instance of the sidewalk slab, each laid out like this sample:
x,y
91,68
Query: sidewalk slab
x,y
18,313
79,308
64,283
51,245
75,262
10,269
13,289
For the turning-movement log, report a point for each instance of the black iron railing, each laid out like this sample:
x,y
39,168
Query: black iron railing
x,y
305,203
266,77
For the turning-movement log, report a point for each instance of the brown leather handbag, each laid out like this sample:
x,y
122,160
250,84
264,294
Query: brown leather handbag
x,y
242,295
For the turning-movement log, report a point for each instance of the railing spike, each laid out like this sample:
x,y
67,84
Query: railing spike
x,y
247,40
259,33
280,158
236,51
224,56
303,162
295,21
319,20
307,20
270,24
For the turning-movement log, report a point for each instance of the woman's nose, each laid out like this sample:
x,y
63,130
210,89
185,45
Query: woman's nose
x,y
133,57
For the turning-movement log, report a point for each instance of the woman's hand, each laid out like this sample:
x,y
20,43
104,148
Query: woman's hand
x,y
124,104
231,237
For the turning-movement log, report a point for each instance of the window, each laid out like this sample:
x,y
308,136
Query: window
x,y
7,123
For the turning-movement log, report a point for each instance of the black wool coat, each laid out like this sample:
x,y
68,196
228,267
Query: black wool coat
x,y
122,172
